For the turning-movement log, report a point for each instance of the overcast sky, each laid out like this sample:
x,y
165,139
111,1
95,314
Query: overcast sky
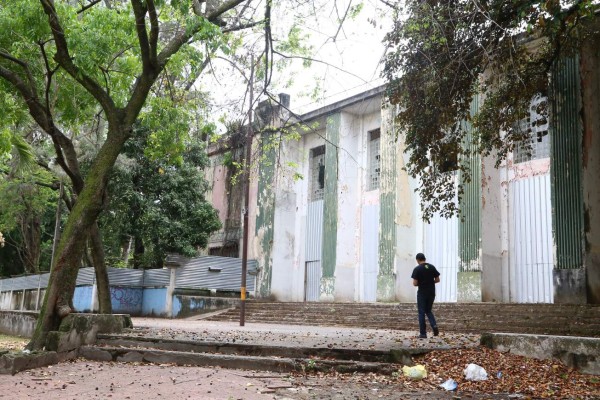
x,y
354,58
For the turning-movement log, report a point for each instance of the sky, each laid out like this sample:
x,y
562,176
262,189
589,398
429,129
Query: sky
x,y
349,57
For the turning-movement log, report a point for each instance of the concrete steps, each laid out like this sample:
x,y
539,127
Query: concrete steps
x,y
574,320
131,348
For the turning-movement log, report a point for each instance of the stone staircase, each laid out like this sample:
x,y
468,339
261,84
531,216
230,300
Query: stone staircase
x,y
549,319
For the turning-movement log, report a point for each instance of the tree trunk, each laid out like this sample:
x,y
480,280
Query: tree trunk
x,y
100,269
138,252
31,234
63,276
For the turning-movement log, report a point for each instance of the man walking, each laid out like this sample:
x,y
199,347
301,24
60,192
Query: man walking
x,y
425,276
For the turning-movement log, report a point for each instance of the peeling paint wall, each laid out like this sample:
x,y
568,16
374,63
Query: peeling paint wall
x,y
495,279
265,214
287,271
330,208
409,227
349,189
590,79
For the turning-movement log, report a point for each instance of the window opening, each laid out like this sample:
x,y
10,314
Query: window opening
x,y
535,125
317,167
374,160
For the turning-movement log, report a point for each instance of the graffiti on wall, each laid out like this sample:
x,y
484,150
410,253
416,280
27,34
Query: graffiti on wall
x,y
126,298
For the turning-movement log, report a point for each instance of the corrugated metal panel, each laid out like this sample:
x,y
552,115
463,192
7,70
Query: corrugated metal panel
x,y
387,197
125,277
566,165
194,274
86,276
330,207
531,240
370,252
156,277
210,272
314,231
312,283
24,282
441,250
470,204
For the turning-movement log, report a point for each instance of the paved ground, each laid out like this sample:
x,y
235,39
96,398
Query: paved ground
x,y
86,379
296,335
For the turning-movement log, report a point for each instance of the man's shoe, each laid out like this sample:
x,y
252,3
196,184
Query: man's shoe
x,y
422,336
436,331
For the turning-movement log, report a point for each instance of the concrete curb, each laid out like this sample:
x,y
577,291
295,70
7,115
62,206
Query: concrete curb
x,y
13,362
272,364
581,353
227,348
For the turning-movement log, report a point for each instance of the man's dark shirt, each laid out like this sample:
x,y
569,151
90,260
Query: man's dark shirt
x,y
425,273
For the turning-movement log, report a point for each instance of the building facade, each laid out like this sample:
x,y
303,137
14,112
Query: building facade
x,y
335,217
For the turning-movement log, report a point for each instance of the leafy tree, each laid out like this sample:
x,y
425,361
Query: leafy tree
x,y
73,65
443,52
27,218
157,206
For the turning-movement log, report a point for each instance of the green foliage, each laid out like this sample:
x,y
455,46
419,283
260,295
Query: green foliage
x,y
26,220
443,53
159,203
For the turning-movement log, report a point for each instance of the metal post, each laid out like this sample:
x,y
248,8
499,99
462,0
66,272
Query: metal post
x,y
247,165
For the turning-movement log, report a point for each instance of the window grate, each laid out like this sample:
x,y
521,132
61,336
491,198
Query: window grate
x,y
536,125
317,173
374,159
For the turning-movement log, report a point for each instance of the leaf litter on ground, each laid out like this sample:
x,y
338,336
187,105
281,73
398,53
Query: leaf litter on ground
x,y
526,377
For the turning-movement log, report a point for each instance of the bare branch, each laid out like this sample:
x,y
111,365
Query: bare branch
x,y
87,6
319,61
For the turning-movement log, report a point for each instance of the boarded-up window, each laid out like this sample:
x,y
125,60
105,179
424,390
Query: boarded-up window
x,y
317,173
374,159
535,127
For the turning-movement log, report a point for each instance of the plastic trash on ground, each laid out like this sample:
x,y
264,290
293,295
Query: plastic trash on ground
x,y
474,372
450,384
416,372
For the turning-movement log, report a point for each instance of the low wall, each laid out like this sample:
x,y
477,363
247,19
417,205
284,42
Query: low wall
x,y
18,323
582,353
186,305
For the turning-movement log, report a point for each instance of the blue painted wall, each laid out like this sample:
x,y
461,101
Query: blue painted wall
x,y
82,298
126,300
155,302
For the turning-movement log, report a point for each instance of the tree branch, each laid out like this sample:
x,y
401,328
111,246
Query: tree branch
x,y
63,58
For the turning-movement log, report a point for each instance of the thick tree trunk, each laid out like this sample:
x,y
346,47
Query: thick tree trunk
x,y
63,276
100,269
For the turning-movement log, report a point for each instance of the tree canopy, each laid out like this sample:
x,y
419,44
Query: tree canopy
x,y
157,207
442,53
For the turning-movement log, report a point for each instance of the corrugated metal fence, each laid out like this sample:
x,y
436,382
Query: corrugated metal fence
x,y
208,272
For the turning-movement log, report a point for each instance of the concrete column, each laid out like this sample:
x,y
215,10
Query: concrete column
x,y
170,290
23,301
495,277
94,302
330,207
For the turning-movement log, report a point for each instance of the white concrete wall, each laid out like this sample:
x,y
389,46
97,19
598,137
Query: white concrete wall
x,y
288,262
409,226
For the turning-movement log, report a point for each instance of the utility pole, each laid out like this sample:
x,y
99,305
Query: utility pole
x,y
247,165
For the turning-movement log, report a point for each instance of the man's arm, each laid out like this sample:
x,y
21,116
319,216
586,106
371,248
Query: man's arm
x,y
416,282
436,280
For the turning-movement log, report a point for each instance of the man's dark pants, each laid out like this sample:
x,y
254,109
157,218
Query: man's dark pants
x,y
425,300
